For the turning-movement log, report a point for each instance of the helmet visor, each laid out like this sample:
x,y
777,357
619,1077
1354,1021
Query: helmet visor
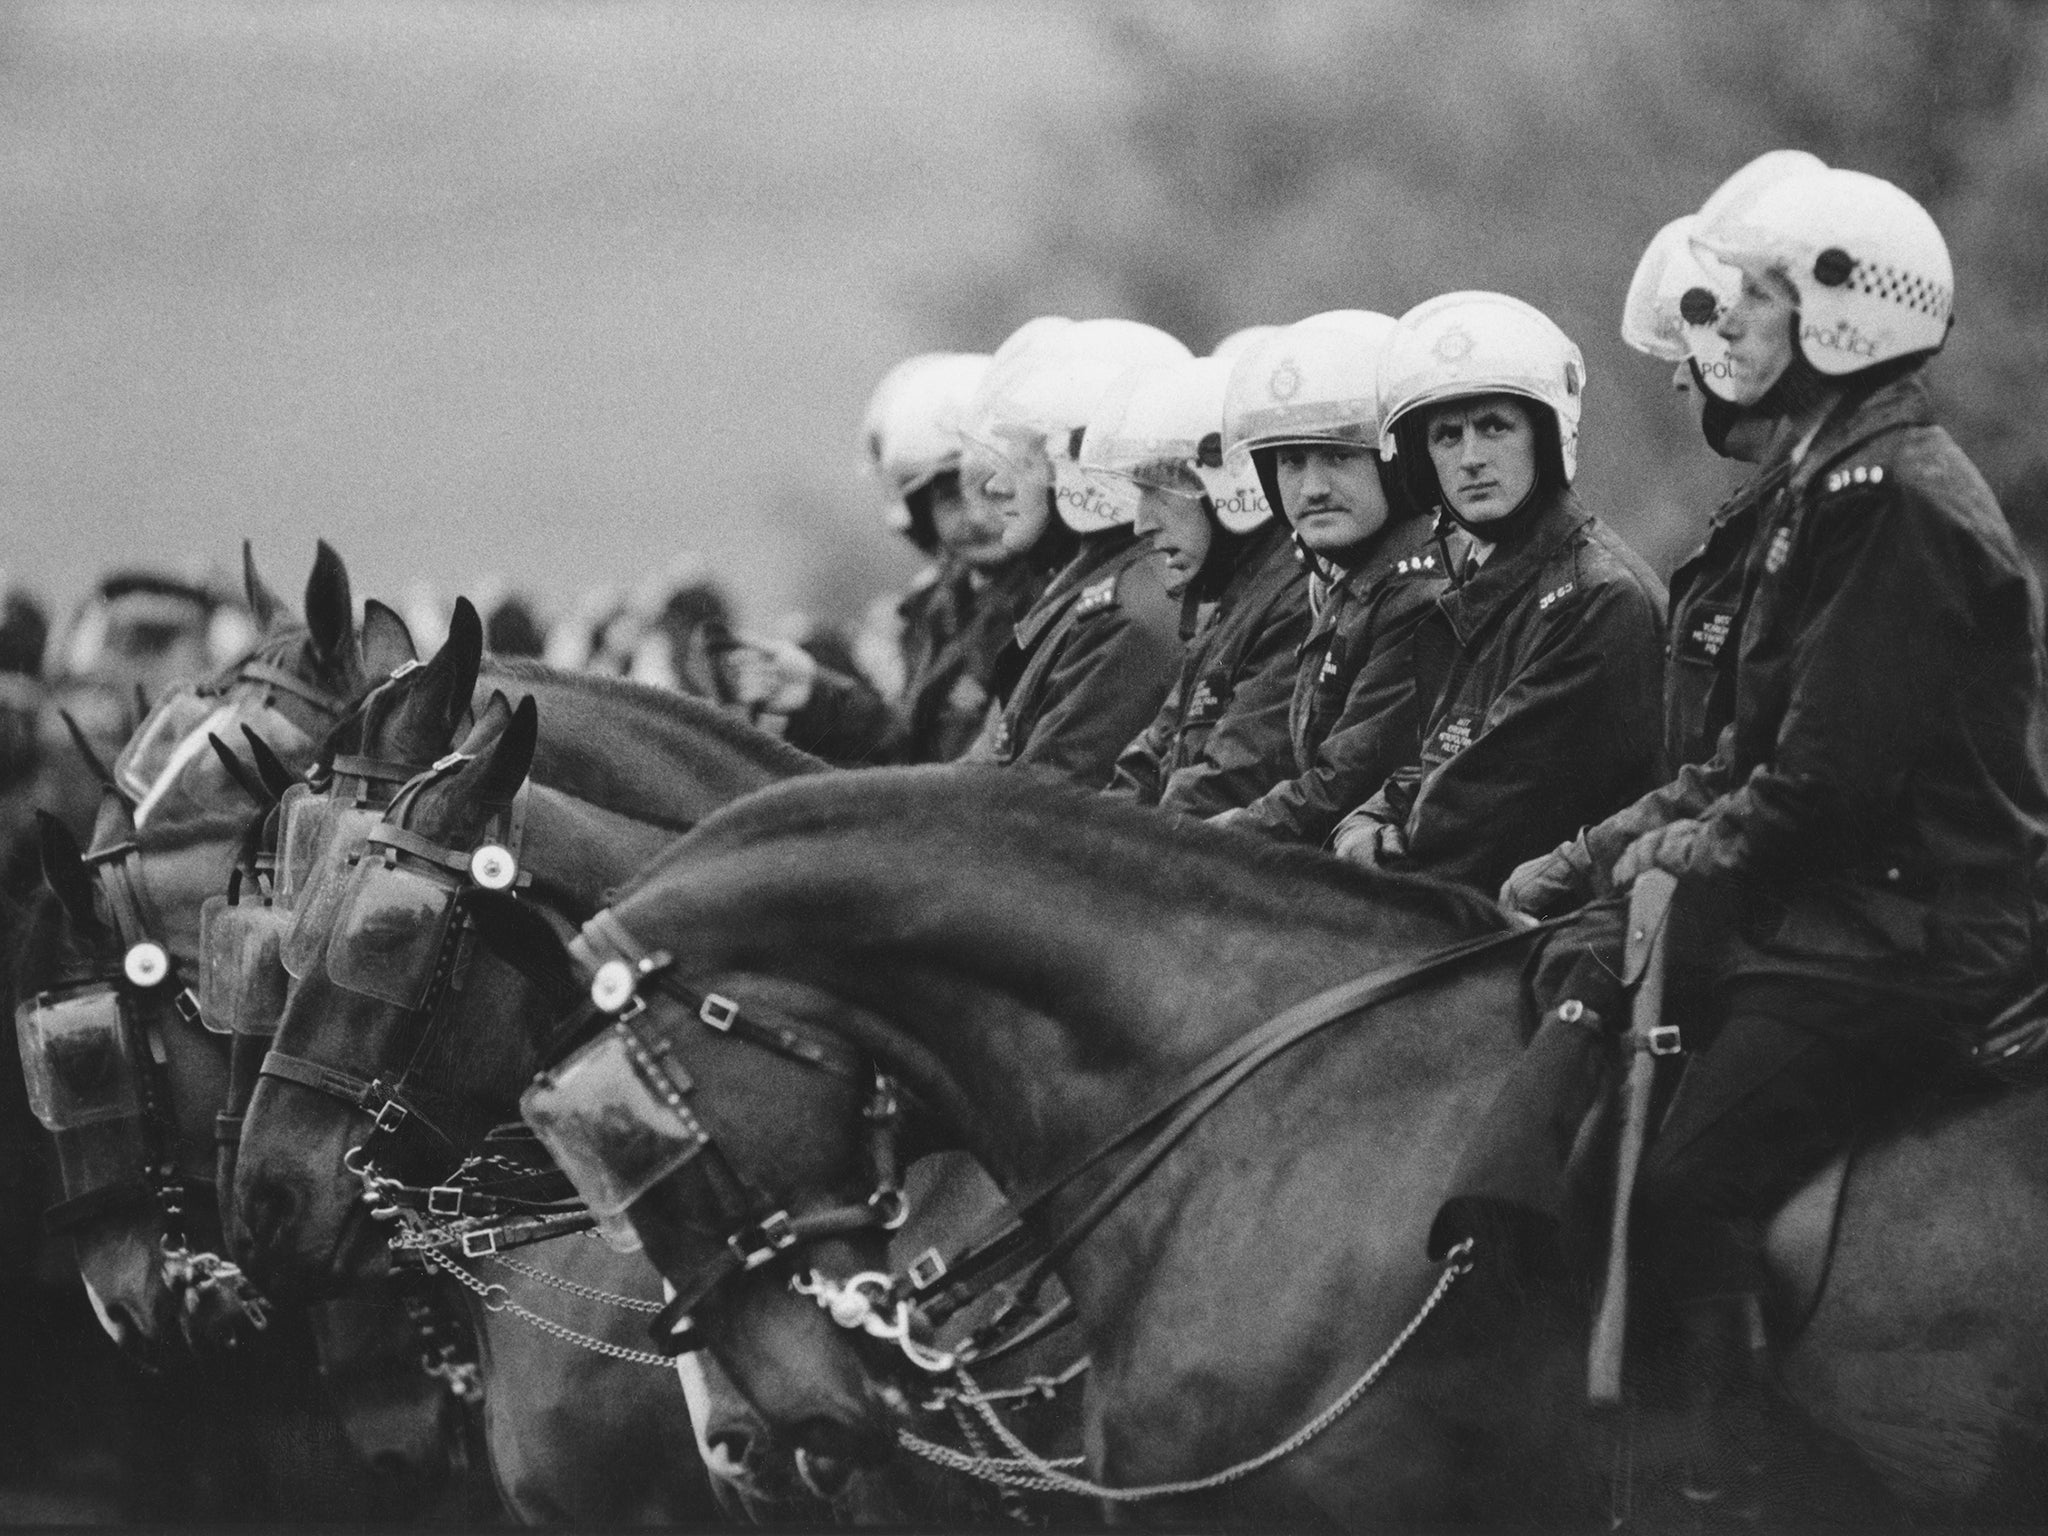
x,y
76,1058
242,979
612,1116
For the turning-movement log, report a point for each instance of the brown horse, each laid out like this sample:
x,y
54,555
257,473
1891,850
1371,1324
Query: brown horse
x,y
1037,965
480,1048
298,678
574,1435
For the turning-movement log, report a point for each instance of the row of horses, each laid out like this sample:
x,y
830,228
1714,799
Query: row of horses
x,y
792,1030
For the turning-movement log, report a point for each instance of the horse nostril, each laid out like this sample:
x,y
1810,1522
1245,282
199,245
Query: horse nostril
x,y
730,1448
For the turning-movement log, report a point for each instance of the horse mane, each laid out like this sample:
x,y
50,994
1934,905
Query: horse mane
x,y
677,722
1091,837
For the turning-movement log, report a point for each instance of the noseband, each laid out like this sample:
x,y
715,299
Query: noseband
x,y
759,1228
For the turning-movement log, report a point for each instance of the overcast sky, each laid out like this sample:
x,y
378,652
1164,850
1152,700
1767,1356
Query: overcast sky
x,y
553,291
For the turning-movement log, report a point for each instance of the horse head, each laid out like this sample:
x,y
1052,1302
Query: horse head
x,y
789,1170
128,916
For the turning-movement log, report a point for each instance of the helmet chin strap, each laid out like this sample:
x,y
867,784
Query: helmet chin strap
x,y
1496,529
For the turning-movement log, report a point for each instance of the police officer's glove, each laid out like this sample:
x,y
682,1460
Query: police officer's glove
x,y
1554,882
768,677
1670,847
1375,844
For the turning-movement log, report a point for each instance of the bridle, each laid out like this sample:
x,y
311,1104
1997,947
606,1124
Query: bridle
x,y
149,983
886,1306
757,1228
396,1104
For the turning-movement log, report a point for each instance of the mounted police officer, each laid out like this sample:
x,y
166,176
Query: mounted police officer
x,y
924,698
1875,817
1220,738
1302,433
1540,661
1091,661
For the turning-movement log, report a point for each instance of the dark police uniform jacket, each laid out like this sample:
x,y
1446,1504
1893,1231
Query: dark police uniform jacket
x,y
1878,805
951,635
1354,718
1546,718
953,632
1220,738
1088,666
1710,595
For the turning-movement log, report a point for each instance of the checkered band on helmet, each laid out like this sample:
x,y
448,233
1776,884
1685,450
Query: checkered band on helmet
x,y
1871,272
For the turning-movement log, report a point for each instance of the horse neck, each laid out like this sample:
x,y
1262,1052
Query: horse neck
x,y
1048,1002
657,756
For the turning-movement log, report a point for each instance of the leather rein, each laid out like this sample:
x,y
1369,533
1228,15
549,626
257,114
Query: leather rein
x,y
622,965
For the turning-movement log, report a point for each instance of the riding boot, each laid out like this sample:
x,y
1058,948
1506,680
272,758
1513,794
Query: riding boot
x,y
1724,1355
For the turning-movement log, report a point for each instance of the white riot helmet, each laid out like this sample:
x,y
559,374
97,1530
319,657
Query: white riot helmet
x,y
1036,402
911,432
1870,269
1679,294
1677,298
1459,345
1241,341
1315,381
1159,427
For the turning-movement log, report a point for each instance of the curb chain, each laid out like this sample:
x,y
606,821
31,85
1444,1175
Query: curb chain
x,y
1025,1469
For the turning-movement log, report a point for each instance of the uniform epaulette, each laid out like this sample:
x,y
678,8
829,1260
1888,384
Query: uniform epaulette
x,y
1424,564
1095,597
1852,475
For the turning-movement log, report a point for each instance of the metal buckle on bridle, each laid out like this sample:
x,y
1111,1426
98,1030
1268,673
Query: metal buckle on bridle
x,y
774,1235
927,1269
389,1114
717,1011
480,1244
445,1200
1664,1040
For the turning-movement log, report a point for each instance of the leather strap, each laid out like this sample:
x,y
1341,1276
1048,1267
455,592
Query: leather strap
x,y
1210,1081
80,1210
286,682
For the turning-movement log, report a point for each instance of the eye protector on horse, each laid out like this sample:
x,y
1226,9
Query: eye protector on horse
x,y
382,908
78,1056
176,729
242,979
616,1116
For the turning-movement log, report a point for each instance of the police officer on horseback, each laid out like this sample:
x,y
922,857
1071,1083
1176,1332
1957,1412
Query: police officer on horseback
x,y
1538,665
1873,823
1091,661
948,630
1221,736
1302,414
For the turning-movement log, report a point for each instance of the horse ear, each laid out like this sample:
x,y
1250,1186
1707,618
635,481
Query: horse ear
x,y
64,870
504,765
447,682
387,643
269,766
488,726
465,649
269,608
330,609
517,933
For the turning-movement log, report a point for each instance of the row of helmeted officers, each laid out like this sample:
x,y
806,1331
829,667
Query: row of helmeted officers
x,y
1333,585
